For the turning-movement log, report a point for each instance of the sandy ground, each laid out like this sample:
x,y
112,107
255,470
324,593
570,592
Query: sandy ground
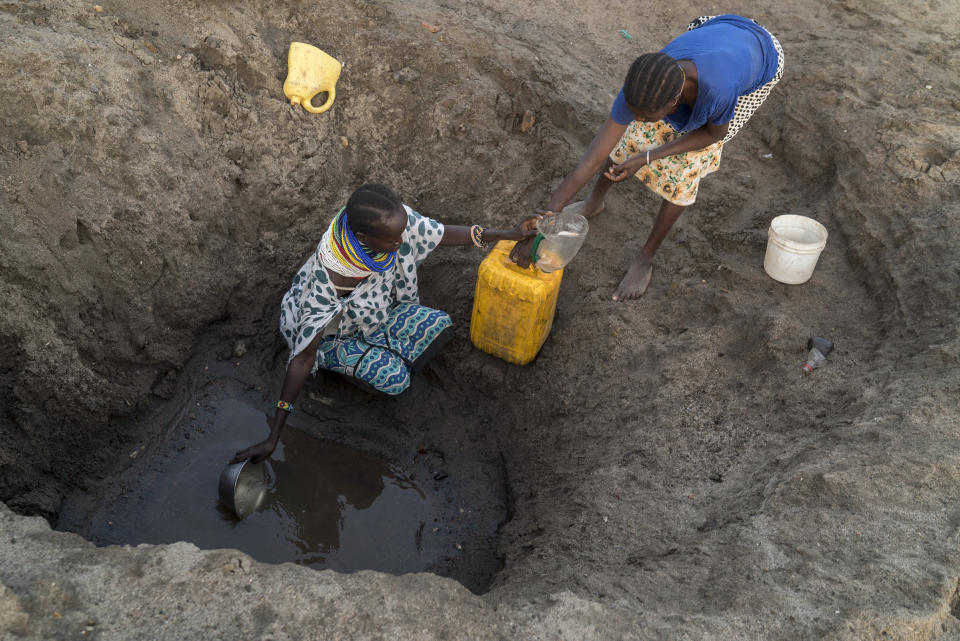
x,y
672,472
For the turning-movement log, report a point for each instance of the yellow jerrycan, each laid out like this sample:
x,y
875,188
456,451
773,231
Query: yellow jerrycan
x,y
310,71
512,307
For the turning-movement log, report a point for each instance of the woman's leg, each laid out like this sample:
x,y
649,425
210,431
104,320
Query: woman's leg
x,y
635,282
383,371
370,367
414,332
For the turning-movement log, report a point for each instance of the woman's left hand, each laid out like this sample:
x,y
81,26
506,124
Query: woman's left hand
x,y
256,453
624,170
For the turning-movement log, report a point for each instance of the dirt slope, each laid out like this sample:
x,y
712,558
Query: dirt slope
x,y
673,475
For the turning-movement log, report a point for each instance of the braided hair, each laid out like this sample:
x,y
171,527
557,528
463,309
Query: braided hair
x,y
654,79
369,206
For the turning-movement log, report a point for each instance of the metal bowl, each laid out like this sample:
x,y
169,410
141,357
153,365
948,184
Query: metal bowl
x,y
243,487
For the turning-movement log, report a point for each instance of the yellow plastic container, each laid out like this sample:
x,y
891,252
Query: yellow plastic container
x,y
512,307
310,71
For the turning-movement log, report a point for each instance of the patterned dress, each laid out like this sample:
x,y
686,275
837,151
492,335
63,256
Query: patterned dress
x,y
674,178
383,333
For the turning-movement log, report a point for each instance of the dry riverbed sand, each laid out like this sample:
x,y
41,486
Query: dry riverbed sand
x,y
671,471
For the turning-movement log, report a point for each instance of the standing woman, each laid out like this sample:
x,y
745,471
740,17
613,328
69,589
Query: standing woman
x,y
669,123
354,306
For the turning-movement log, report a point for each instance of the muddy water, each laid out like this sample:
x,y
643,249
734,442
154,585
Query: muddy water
x,y
329,506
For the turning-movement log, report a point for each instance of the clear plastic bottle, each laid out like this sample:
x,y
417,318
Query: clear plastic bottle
x,y
561,236
814,360
819,348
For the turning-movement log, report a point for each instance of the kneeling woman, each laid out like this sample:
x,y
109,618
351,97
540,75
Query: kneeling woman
x,y
353,307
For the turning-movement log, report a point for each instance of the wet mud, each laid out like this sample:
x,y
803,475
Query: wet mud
x,y
327,505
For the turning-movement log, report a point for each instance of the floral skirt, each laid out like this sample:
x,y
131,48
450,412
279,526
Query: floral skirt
x,y
674,178
383,361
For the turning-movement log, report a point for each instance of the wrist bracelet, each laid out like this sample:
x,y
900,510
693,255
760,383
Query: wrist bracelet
x,y
285,406
476,235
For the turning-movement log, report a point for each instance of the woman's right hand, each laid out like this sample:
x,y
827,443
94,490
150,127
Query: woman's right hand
x,y
256,453
520,254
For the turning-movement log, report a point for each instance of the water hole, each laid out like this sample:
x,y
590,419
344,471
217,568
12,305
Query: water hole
x,y
329,505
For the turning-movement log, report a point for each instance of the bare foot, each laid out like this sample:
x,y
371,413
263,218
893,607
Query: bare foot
x,y
635,282
582,208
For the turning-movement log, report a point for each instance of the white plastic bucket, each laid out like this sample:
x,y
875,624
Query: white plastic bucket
x,y
794,244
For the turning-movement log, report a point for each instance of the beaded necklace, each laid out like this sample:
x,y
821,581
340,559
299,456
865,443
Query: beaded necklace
x,y
347,256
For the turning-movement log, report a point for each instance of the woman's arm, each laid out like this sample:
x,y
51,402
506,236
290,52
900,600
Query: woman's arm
x,y
698,139
297,372
591,162
454,235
